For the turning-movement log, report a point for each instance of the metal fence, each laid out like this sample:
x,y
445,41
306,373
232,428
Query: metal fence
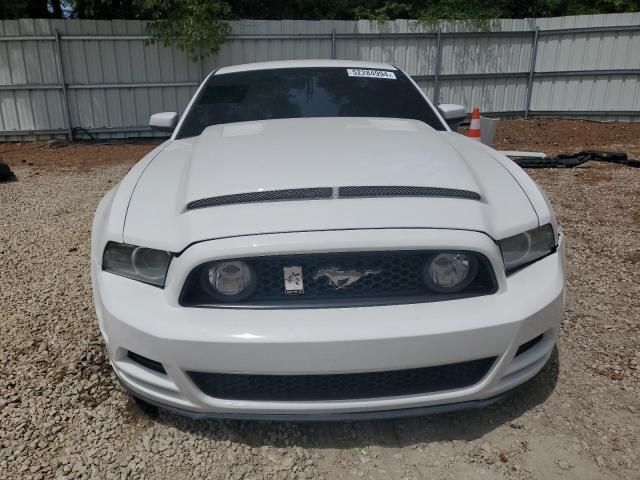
x,y
85,78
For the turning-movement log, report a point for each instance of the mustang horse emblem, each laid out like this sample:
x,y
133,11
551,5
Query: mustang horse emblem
x,y
343,278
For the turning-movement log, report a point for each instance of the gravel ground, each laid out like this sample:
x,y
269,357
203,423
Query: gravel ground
x,y
63,416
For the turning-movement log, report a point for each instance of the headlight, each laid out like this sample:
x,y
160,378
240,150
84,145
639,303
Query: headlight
x,y
450,272
229,280
527,247
138,263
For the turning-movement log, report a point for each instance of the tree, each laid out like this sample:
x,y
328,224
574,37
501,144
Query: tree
x,y
108,9
198,27
297,9
476,14
24,9
56,9
221,10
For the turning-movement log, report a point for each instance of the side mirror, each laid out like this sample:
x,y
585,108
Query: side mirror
x,y
164,122
453,114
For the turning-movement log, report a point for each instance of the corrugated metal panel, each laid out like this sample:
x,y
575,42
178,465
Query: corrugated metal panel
x,y
115,84
569,51
29,63
481,55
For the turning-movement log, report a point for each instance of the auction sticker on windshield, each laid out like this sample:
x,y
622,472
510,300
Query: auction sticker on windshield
x,y
358,72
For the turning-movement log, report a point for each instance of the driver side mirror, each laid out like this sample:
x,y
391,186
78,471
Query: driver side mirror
x,y
453,114
164,122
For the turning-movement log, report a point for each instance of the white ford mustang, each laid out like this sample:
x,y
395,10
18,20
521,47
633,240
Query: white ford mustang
x,y
314,241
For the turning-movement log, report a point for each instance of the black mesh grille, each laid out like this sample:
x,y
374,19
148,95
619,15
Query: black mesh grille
x,y
390,274
146,362
400,191
528,345
268,196
342,386
388,277
327,192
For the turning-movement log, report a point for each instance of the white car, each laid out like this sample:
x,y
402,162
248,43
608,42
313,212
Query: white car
x,y
315,242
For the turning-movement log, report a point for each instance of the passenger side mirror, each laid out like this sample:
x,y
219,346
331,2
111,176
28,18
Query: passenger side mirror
x,y
453,114
164,122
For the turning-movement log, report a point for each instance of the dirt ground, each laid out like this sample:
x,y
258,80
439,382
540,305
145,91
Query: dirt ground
x,y
553,136
550,136
62,414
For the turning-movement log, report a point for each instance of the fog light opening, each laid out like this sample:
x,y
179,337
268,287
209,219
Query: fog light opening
x,y
146,362
529,345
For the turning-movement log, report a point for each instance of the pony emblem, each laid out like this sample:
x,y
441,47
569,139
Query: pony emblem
x,y
343,278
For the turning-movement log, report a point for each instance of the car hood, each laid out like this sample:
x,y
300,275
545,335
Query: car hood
x,y
249,157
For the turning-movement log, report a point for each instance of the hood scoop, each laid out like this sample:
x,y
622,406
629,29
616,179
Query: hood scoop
x,y
263,196
331,192
399,191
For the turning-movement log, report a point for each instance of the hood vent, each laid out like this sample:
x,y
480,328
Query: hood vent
x,y
264,196
328,192
395,191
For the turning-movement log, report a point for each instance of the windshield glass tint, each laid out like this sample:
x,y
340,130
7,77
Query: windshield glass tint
x,y
306,92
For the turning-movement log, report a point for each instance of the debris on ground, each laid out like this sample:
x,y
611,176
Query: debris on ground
x,y
6,174
568,160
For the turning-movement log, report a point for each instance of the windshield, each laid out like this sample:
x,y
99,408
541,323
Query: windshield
x,y
304,93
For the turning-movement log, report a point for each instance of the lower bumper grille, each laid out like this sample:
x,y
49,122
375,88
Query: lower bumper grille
x,y
528,345
347,386
146,362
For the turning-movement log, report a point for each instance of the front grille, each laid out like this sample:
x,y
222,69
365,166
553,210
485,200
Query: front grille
x,y
390,277
346,386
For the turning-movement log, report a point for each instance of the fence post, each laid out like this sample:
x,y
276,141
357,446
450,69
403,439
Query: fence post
x,y
333,44
63,84
436,80
532,68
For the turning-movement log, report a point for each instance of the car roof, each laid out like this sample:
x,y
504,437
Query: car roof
x,y
303,64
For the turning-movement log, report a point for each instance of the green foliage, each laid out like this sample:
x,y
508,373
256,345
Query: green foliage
x,y
429,11
482,10
107,9
477,13
385,11
12,9
201,16
198,27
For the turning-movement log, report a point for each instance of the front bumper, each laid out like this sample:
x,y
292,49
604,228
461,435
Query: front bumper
x,y
327,417
148,321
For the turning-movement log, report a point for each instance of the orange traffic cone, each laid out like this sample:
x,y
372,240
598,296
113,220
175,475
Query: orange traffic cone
x,y
474,128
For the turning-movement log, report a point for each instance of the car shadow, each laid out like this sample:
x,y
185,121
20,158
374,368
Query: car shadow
x,y
464,425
